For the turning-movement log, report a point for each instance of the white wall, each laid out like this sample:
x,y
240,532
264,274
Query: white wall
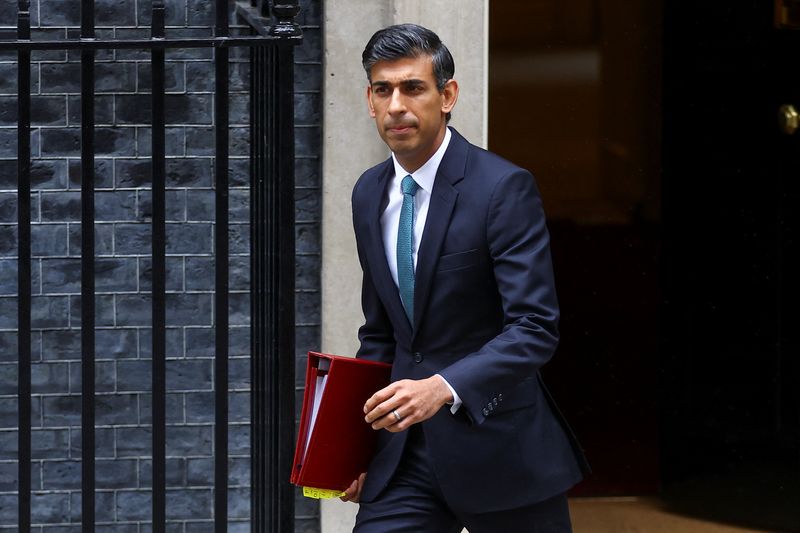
x,y
351,145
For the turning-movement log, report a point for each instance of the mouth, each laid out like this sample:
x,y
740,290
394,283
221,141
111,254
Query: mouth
x,y
399,129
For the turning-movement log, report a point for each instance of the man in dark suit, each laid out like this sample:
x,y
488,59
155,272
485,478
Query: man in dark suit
x,y
458,294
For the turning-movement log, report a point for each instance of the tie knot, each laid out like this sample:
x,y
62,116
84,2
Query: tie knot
x,y
409,186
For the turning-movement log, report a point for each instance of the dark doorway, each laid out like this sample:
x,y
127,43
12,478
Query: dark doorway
x,y
672,198
730,373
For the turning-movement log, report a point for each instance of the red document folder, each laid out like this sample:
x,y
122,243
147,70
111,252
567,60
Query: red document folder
x,y
334,443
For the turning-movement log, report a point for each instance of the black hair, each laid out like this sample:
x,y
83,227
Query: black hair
x,y
409,40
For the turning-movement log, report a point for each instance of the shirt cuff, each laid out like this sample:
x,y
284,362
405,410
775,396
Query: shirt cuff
x,y
456,404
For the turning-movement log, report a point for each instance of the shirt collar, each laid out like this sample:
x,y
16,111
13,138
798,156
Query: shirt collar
x,y
426,174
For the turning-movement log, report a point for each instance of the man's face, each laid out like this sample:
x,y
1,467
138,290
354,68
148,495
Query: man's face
x,y
408,109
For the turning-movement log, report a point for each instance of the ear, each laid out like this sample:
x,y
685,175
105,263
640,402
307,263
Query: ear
x,y
369,101
449,96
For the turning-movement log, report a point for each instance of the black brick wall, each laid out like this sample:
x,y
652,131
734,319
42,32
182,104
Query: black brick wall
x,y
123,265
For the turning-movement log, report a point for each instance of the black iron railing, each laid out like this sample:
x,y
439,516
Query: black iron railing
x,y
272,254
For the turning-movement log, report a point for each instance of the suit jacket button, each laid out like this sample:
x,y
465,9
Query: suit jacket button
x,y
417,357
485,411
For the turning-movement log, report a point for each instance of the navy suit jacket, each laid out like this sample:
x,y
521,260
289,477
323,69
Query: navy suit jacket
x,y
485,318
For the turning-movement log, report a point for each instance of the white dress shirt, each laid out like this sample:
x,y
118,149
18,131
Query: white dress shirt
x,y
390,219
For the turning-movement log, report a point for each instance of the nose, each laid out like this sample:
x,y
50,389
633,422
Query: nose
x,y
397,103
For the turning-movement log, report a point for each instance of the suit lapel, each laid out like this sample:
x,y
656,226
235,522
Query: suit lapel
x,y
384,283
443,201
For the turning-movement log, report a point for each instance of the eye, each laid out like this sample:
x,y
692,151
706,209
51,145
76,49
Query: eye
x,y
380,89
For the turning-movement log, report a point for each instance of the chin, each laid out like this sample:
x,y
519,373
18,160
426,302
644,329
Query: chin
x,y
399,147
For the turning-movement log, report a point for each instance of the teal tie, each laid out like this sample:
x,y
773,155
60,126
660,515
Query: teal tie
x,y
405,246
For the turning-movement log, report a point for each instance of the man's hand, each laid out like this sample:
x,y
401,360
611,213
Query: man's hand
x,y
413,400
353,492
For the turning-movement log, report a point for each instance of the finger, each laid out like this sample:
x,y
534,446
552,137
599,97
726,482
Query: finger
x,y
379,397
402,424
351,491
383,409
348,493
383,422
413,415
384,415
360,485
391,423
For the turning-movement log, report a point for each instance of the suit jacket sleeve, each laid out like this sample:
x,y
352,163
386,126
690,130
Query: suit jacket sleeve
x,y
519,247
376,335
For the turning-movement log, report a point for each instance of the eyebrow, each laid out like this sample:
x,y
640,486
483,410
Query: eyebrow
x,y
409,82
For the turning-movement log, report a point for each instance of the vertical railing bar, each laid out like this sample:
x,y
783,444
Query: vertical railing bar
x,y
266,273
281,254
274,289
255,308
266,332
269,333
159,272
87,273
258,294
221,105
280,346
273,184
24,269
286,353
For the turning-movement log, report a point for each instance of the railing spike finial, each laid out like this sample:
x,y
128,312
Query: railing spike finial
x,y
285,12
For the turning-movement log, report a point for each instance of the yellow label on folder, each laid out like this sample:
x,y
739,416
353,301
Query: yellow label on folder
x,y
321,494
